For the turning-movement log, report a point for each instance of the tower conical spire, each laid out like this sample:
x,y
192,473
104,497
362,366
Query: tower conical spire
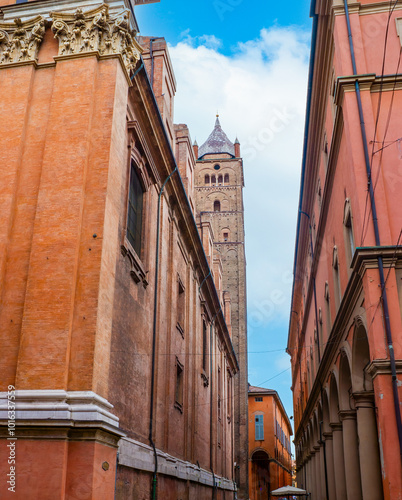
x,y
217,142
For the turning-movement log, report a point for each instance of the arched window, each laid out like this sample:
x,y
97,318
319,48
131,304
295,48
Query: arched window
x,y
319,194
207,179
134,212
204,347
220,179
320,332
327,309
217,206
316,351
337,279
213,180
348,231
226,178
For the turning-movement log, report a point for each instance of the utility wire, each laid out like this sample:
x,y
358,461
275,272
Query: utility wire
x,y
392,8
381,150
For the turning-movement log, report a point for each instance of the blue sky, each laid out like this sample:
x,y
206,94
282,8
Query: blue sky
x,y
231,21
249,60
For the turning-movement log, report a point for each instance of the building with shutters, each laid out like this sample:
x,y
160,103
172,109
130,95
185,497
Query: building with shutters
x,y
116,355
219,183
270,431
345,330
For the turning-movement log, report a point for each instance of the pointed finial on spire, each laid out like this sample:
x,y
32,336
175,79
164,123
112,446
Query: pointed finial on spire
x,y
217,113
195,143
237,140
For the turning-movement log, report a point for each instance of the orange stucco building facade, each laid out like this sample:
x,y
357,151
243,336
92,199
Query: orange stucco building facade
x,y
345,333
117,362
270,431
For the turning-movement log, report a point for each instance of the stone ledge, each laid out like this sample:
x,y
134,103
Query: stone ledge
x,y
383,367
140,456
58,406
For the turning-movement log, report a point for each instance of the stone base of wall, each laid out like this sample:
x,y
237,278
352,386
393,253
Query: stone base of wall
x,y
136,484
179,477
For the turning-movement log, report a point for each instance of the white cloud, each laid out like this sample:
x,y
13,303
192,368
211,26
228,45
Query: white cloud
x,y
260,92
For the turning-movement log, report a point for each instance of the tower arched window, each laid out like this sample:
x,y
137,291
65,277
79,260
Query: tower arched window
x,y
226,178
207,179
220,179
217,206
213,180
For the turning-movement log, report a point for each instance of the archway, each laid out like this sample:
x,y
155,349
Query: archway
x,y
361,358
363,395
260,476
328,445
337,439
349,428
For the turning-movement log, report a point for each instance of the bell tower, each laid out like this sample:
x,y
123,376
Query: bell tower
x,y
219,183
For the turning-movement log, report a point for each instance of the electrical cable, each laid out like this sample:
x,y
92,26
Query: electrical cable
x,y
392,8
381,150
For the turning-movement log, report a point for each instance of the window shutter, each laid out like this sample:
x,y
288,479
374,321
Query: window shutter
x,y
259,427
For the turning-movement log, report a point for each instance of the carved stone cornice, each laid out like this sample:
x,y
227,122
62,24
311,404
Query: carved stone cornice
x,y
94,32
364,399
348,84
367,258
327,436
20,41
383,367
347,415
362,9
335,426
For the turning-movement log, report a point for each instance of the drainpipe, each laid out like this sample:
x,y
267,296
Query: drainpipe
x,y
305,139
325,457
300,371
151,413
318,347
211,394
211,456
314,287
192,216
387,323
203,281
115,478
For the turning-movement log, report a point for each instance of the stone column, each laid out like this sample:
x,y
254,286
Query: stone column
x,y
318,476
313,474
310,484
305,473
329,454
322,472
351,455
339,464
370,465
